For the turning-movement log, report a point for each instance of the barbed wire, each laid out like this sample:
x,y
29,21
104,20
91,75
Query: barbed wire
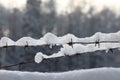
x,y
71,43
17,64
97,42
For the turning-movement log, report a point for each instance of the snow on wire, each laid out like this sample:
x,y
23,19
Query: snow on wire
x,y
71,44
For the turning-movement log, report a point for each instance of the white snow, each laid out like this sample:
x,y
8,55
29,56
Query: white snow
x,y
102,37
5,41
84,74
38,57
50,38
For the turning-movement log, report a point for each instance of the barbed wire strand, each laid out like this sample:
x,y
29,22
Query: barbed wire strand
x,y
69,43
17,64
97,42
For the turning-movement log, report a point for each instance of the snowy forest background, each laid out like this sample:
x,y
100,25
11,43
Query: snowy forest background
x,y
42,16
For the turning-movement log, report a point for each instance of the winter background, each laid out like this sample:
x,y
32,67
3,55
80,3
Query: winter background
x,y
35,18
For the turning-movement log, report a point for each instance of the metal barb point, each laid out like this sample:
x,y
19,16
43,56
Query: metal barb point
x,y
5,45
97,42
70,43
26,44
111,50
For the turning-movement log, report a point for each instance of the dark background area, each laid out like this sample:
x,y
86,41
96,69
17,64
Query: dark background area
x,y
34,23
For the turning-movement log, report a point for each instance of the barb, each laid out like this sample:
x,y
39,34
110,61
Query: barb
x,y
5,45
71,43
27,45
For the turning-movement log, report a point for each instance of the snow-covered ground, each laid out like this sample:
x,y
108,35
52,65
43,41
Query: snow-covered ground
x,y
87,74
